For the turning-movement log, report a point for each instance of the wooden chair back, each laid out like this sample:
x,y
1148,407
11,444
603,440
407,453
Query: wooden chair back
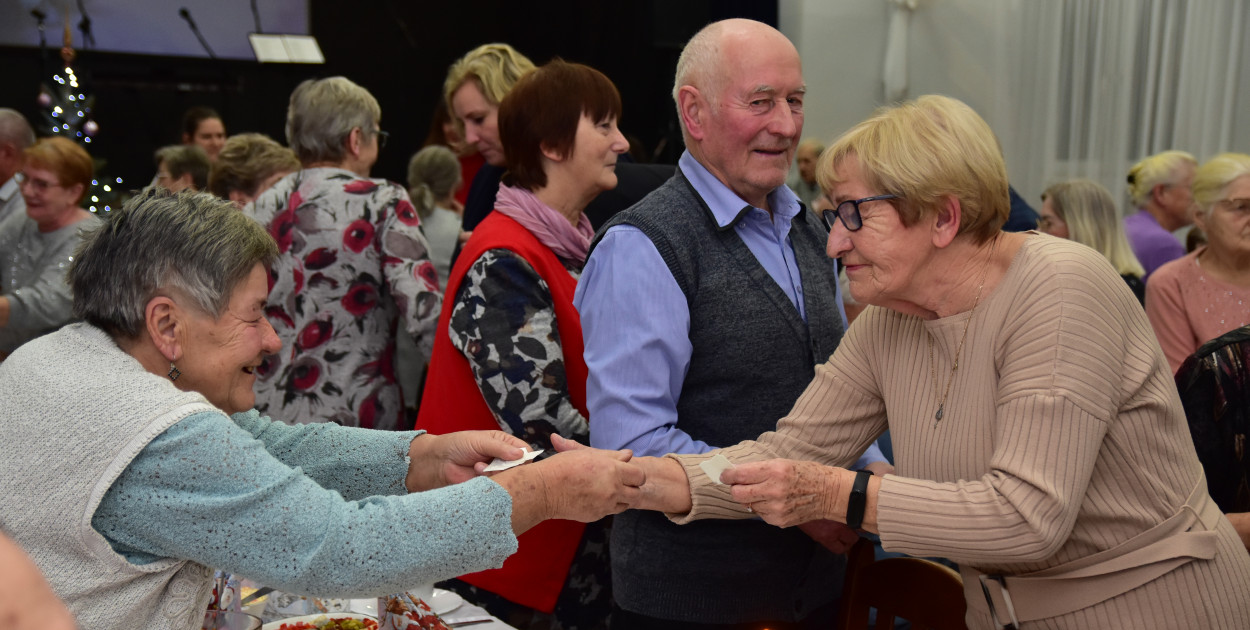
x,y
925,593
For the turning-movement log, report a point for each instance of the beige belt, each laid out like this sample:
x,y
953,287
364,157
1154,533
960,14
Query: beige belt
x,y
1011,599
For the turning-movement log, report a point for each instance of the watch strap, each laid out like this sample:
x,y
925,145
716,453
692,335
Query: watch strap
x,y
858,500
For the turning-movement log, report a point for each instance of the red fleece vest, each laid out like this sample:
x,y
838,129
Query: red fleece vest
x,y
535,574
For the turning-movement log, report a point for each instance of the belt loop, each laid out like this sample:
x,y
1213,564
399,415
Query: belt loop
x,y
989,600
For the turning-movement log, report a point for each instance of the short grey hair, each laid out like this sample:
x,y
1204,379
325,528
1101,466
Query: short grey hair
x,y
180,159
323,112
15,129
189,244
697,67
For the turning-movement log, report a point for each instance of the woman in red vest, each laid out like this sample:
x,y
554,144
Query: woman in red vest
x,y
508,353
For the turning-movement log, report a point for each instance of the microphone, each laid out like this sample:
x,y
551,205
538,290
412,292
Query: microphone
x,y
186,15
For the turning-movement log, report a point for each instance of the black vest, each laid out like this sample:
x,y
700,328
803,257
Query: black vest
x,y
753,355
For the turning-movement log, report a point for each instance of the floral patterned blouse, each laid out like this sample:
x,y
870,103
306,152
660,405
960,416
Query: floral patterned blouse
x,y
353,263
504,321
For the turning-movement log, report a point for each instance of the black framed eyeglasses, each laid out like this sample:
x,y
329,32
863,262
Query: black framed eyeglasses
x,y
382,137
848,211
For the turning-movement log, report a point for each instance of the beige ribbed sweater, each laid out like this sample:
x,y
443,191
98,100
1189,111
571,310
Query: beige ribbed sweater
x,y
1063,435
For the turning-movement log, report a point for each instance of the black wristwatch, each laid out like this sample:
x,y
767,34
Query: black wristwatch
x,y
858,500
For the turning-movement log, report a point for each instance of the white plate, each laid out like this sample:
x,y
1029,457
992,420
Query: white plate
x,y
443,602
274,625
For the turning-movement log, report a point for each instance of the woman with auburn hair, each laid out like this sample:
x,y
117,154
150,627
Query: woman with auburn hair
x,y
1083,211
508,354
1205,294
38,245
1038,437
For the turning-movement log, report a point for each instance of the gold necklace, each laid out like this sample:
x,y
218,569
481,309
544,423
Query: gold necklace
x,y
937,417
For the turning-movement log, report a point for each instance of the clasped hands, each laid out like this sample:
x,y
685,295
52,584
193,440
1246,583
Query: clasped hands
x,y
578,483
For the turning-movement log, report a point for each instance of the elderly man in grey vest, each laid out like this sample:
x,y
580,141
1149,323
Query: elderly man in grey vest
x,y
704,309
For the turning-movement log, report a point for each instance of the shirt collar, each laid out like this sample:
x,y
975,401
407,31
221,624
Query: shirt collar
x,y
726,206
8,189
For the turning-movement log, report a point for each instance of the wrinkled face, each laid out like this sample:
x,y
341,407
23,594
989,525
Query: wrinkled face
x,y
1049,222
752,126
595,148
1228,225
806,158
48,203
211,136
220,356
480,119
883,257
1178,197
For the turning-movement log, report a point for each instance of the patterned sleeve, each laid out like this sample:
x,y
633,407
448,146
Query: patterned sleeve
x,y
411,276
504,322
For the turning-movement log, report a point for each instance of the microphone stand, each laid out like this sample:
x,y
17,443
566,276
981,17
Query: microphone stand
x,y
84,25
186,15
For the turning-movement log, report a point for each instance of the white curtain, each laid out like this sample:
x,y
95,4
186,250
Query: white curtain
x,y
1099,84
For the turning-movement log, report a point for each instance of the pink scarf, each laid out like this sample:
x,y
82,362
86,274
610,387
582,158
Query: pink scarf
x,y
550,227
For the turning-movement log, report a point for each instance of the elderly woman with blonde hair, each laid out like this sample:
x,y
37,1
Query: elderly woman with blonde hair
x,y
1038,438
1159,188
1206,293
1083,211
353,267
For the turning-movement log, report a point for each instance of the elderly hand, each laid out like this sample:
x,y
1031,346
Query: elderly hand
x,y
441,460
785,492
578,483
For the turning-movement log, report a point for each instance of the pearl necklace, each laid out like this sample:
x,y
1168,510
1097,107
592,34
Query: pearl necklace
x,y
937,417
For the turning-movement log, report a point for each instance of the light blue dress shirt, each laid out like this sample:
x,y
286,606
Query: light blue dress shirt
x,y
636,323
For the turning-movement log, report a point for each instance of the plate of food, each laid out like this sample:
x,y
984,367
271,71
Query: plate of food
x,y
325,621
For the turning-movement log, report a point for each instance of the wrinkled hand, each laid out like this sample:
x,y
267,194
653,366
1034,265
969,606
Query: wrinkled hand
x,y
784,492
834,536
586,484
441,460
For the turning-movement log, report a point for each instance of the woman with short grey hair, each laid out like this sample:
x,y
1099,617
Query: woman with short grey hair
x,y
144,463
353,267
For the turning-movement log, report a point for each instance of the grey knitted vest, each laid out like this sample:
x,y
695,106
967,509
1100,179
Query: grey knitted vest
x,y
753,356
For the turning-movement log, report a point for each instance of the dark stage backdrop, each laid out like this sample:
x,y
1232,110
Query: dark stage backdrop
x,y
399,51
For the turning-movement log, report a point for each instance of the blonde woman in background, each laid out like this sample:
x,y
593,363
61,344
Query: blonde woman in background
x,y
1207,293
474,87
249,163
1083,211
1159,187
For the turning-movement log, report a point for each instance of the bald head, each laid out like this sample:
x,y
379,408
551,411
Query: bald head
x,y
739,91
15,136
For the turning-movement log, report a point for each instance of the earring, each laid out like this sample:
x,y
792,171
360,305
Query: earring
x,y
174,372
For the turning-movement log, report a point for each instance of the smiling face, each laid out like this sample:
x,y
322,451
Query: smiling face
x,y
748,129
480,120
595,149
210,136
883,259
219,356
48,203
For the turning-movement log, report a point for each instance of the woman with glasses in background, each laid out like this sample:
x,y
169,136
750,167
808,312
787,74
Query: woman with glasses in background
x,y
353,266
36,247
1206,293
1083,211
1038,437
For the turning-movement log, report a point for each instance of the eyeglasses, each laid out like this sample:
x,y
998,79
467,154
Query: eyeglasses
x,y
382,137
848,211
37,185
1240,206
